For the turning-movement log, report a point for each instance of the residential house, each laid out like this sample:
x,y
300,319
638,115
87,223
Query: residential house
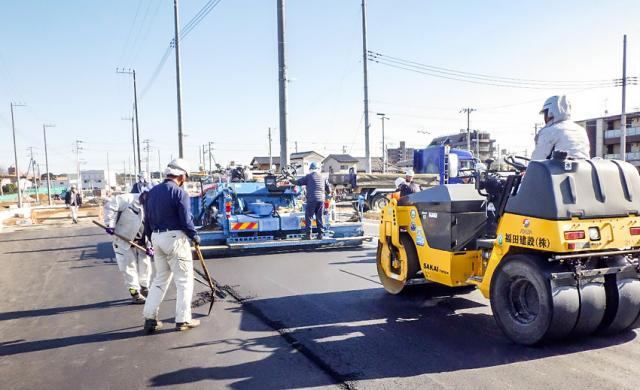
x,y
376,164
302,160
262,163
339,163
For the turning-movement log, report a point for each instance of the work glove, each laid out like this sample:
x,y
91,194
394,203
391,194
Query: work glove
x,y
110,230
196,240
150,252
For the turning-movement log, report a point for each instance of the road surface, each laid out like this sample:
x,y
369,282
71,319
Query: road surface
x,y
299,320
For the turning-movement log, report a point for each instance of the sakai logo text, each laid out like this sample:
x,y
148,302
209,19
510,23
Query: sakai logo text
x,y
431,267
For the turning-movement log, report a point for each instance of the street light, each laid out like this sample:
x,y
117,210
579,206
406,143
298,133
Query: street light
x,y
383,117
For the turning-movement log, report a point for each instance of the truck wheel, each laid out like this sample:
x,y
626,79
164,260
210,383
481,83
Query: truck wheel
x,y
394,279
623,303
379,202
524,305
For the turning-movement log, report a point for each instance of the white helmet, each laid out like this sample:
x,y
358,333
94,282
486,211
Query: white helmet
x,y
178,167
558,108
409,172
142,175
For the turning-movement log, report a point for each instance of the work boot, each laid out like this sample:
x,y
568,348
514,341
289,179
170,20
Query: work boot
x,y
320,235
307,235
151,326
144,291
180,326
136,297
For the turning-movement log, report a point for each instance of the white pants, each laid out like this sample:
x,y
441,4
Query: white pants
x,y
134,265
172,258
74,212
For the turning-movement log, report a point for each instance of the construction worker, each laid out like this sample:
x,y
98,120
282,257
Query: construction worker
x,y
409,186
560,132
317,188
124,215
169,226
398,182
141,184
73,200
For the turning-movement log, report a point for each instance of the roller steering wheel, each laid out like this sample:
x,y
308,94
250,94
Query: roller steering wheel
x,y
518,166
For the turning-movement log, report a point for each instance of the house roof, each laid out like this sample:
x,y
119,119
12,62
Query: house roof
x,y
304,154
342,158
264,160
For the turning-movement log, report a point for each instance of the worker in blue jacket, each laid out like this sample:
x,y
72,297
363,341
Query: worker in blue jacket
x,y
169,227
317,188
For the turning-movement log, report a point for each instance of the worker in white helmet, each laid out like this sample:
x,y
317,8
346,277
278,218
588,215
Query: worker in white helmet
x,y
560,132
169,226
409,186
141,184
124,215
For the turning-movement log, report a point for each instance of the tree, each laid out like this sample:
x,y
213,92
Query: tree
x,y
9,188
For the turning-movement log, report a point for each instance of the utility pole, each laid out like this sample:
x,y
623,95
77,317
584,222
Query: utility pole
x,y
367,151
32,164
135,109
15,152
383,117
108,176
623,116
133,138
147,149
344,149
46,161
204,161
210,155
78,148
468,111
296,146
270,155
176,43
282,84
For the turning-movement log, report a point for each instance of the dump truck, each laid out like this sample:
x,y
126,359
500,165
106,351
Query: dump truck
x,y
430,166
268,214
554,246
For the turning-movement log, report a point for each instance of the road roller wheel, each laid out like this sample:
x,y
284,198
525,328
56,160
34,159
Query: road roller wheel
x,y
623,303
397,265
593,304
527,308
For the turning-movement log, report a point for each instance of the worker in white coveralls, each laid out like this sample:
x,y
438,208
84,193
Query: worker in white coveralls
x,y
560,132
124,215
169,225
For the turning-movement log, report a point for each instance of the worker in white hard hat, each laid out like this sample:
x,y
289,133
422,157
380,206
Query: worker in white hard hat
x,y
560,132
124,215
169,227
73,200
409,186
141,184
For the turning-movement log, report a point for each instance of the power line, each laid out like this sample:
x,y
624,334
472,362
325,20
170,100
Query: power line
x,y
498,81
195,20
485,76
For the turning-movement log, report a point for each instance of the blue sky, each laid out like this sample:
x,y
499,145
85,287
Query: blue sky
x,y
60,58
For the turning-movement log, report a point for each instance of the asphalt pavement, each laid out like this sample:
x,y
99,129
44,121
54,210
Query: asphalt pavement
x,y
296,320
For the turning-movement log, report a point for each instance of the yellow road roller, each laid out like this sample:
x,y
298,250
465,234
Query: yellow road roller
x,y
554,246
